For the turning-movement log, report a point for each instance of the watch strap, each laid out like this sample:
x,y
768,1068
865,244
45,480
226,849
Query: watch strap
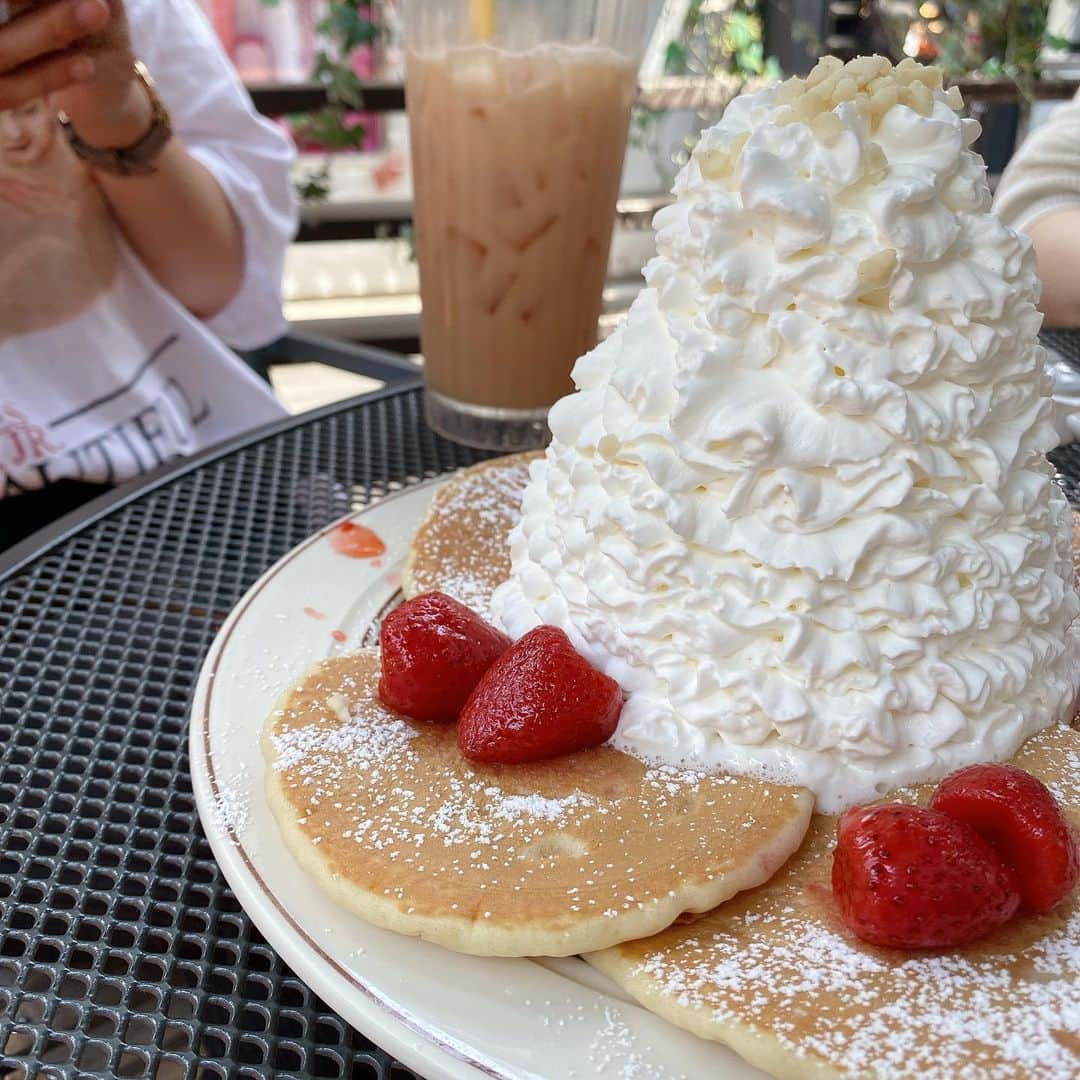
x,y
138,158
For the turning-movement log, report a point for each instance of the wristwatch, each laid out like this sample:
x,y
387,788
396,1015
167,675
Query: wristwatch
x,y
137,159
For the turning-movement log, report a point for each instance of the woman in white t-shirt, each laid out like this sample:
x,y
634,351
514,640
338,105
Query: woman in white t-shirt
x,y
145,210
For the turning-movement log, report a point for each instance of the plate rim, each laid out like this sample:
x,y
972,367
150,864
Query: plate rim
x,y
390,1024
411,1026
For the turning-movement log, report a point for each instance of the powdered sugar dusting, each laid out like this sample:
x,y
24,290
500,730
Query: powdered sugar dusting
x,y
493,492
358,741
461,549
614,1051
515,807
370,741
395,803
778,961
231,810
1064,783
943,1016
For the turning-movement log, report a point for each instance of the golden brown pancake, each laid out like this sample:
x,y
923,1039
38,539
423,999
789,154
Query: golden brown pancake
x,y
774,975
545,859
461,546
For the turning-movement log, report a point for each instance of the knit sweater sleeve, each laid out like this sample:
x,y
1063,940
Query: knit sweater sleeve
x,y
1044,174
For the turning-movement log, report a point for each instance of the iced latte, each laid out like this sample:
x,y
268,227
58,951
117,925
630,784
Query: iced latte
x,y
517,156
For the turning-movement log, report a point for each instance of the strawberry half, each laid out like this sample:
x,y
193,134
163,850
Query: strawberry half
x,y
911,878
1017,814
434,652
540,699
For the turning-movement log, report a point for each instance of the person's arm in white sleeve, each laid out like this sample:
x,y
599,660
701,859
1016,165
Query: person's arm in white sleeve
x,y
249,156
1039,194
213,220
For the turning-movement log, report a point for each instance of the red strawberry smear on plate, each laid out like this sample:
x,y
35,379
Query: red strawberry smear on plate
x,y
356,541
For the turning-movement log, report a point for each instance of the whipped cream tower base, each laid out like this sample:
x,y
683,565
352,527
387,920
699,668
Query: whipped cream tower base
x,y
799,505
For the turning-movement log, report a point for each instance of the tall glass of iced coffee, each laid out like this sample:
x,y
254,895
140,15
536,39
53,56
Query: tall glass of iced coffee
x,y
518,115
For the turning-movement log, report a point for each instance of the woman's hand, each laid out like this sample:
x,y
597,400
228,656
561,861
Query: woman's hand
x,y
79,53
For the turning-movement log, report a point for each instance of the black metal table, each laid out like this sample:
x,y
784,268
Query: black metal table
x,y
123,952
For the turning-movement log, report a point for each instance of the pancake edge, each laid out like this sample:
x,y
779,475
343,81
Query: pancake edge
x,y
484,939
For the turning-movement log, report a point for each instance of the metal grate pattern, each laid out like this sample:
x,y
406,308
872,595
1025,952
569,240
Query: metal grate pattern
x,y
1067,459
1066,342
123,952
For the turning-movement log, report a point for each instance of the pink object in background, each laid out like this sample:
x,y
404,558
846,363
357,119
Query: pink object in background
x,y
389,172
365,62
253,59
283,27
267,43
280,43
364,59
220,13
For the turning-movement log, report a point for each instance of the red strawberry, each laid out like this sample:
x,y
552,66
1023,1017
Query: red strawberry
x,y
540,699
911,878
434,651
1020,817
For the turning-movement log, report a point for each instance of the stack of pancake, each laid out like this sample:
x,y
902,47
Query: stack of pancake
x,y
706,897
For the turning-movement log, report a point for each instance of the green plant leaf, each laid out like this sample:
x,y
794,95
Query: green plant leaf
x,y
675,59
347,26
315,185
331,128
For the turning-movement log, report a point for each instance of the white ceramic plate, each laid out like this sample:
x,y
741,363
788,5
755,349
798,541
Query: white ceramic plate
x,y
443,1014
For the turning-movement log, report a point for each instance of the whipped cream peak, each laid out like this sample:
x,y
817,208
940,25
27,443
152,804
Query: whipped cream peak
x,y
799,505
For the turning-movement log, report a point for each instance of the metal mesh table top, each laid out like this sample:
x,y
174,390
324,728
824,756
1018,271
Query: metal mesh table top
x,y
123,952
1066,342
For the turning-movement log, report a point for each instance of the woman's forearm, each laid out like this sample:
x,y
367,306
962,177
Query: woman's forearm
x,y
177,219
1057,248
180,223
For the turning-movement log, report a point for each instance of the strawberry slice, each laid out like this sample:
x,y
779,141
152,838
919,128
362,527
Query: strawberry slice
x,y
434,651
540,699
1019,816
911,878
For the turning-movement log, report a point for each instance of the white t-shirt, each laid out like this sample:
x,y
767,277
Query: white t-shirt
x,y
103,374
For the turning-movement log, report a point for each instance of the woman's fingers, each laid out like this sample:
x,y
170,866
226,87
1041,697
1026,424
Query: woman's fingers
x,y
50,28
36,48
33,81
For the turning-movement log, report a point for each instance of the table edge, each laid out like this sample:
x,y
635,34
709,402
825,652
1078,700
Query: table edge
x,y
38,544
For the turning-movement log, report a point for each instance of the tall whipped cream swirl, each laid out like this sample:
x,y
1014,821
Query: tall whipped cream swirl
x,y
799,505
